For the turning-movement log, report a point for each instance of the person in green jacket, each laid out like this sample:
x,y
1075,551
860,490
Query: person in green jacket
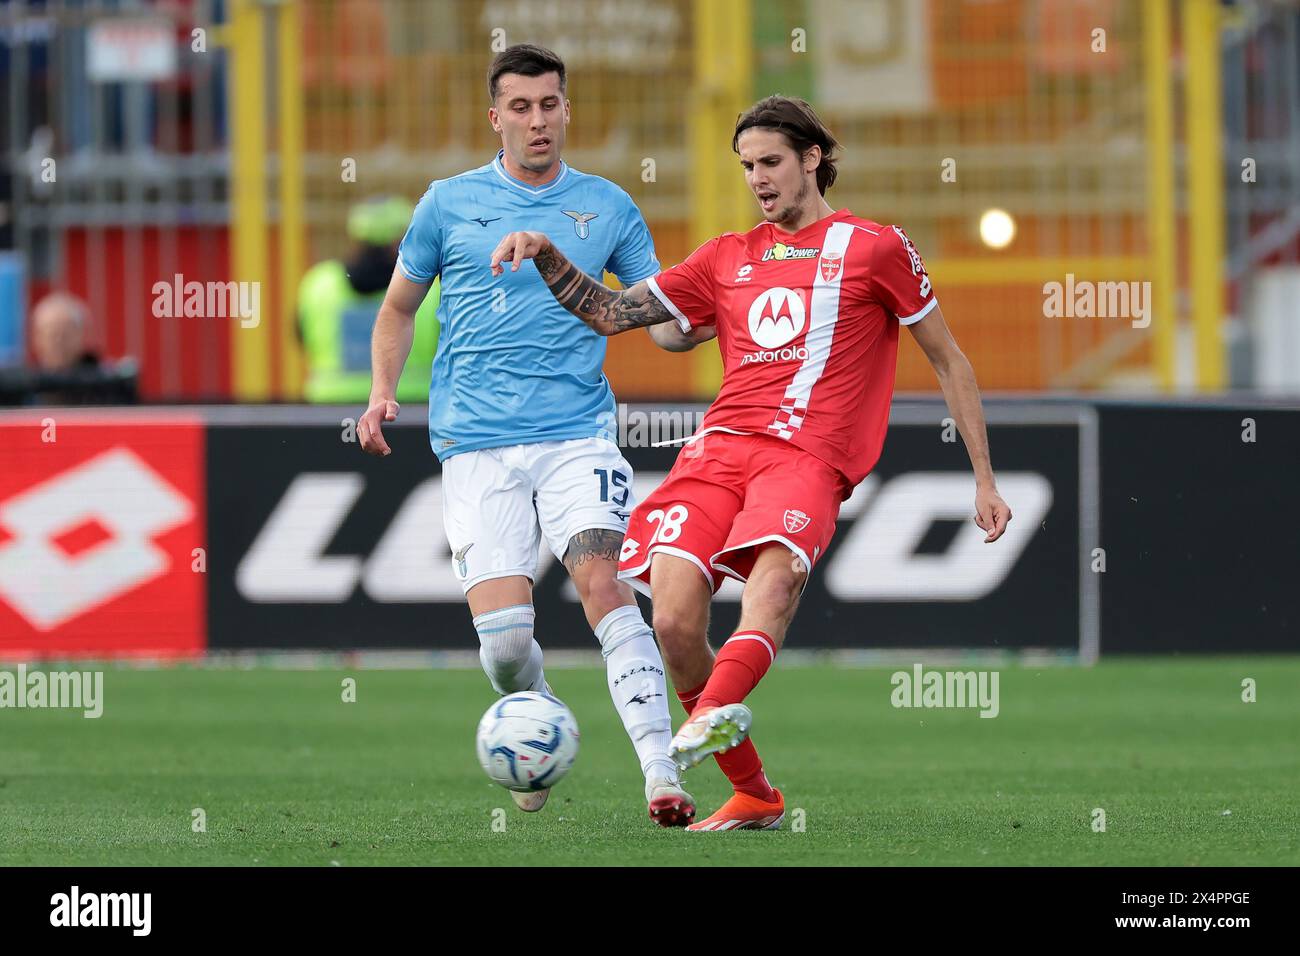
x,y
339,299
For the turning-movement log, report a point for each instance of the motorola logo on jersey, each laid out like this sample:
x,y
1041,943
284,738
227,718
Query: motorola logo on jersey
x,y
776,318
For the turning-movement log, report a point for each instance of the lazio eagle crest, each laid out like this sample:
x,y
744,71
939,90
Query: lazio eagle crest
x,y
580,220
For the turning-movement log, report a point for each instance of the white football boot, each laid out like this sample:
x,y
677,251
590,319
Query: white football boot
x,y
670,805
709,731
530,801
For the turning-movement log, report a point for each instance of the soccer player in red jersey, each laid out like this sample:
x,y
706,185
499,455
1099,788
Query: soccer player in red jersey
x,y
806,307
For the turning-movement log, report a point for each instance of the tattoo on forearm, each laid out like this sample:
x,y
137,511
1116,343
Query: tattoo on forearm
x,y
605,310
589,545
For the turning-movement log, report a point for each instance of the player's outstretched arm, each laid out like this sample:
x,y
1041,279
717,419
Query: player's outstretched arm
x,y
390,344
960,390
671,338
605,310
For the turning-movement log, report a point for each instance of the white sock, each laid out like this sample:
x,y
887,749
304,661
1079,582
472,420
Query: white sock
x,y
511,658
637,686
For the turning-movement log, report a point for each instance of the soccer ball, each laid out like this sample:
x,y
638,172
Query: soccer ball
x,y
527,741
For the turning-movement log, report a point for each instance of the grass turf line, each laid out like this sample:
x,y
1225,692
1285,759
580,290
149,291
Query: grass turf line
x,y
287,773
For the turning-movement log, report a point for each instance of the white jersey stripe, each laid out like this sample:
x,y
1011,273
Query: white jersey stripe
x,y
918,316
682,322
823,313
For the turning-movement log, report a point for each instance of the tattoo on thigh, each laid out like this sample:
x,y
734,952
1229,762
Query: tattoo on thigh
x,y
589,545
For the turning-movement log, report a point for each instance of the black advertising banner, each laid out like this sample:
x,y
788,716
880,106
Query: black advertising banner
x,y
314,544
1202,531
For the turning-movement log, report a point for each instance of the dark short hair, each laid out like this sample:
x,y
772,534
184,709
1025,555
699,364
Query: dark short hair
x,y
526,60
794,119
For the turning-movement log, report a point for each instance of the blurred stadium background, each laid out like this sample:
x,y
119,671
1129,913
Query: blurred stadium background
x,y
1126,140
224,162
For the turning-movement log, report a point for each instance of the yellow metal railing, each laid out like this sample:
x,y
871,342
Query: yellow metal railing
x,y
250,347
1204,110
1077,142
1162,234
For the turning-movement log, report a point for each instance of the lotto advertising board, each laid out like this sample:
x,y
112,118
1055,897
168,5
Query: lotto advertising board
x,y
162,534
102,536
314,544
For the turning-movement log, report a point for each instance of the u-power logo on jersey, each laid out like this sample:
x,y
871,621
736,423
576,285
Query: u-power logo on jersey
x,y
776,318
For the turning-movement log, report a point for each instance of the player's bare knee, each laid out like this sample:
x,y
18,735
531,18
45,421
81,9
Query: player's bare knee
x,y
773,594
679,637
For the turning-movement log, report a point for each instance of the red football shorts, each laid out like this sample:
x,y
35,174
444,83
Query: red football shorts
x,y
726,495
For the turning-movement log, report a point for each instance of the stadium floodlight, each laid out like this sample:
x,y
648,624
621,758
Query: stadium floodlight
x,y
997,228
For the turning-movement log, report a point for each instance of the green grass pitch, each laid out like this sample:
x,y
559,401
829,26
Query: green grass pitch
x,y
287,773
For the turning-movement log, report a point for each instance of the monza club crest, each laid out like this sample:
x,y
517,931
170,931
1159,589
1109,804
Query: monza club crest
x,y
795,520
830,264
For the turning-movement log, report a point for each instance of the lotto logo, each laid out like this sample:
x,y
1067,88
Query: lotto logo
x,y
97,531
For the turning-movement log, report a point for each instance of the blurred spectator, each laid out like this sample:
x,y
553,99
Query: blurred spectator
x,y
67,372
338,302
59,334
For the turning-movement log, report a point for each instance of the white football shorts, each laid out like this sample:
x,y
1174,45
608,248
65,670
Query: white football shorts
x,y
499,503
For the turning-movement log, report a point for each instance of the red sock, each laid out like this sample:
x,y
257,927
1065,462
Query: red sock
x,y
742,766
745,771
739,666
691,697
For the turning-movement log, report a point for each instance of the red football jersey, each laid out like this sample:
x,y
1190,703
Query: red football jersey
x,y
808,328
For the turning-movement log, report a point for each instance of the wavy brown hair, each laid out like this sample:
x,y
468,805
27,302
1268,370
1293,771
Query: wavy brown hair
x,y
794,119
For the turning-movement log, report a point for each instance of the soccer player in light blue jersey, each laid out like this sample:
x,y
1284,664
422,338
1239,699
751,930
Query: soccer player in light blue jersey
x,y
520,414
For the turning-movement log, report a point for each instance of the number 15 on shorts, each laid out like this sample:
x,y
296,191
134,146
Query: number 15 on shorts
x,y
612,478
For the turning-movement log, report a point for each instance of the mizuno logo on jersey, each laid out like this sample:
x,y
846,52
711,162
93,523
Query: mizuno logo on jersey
x,y
580,222
484,222
779,250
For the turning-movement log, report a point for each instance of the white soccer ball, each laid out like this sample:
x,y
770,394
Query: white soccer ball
x,y
527,741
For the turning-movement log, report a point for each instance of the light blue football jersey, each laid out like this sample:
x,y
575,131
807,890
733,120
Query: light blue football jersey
x,y
513,367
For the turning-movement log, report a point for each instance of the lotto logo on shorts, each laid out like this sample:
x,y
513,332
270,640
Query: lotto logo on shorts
x,y
795,521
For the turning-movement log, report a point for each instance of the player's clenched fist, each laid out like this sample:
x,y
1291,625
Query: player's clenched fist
x,y
371,430
517,246
991,513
